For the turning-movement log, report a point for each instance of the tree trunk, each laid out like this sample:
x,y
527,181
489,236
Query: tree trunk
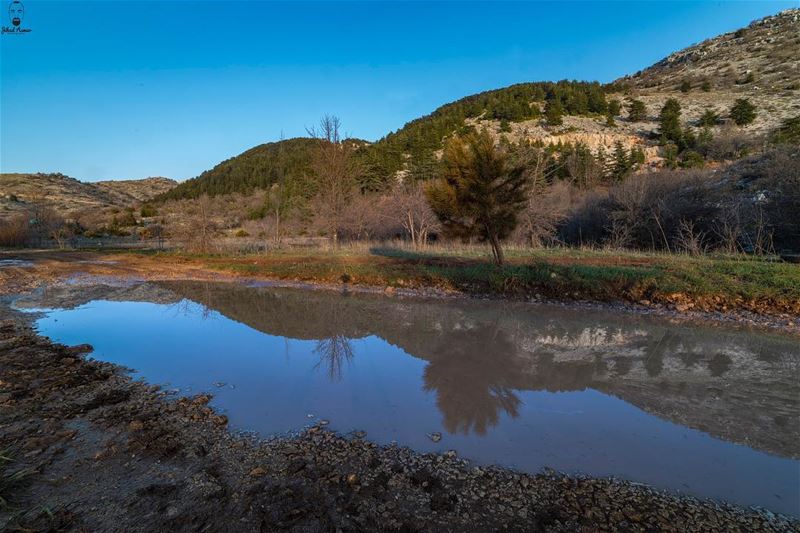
x,y
497,251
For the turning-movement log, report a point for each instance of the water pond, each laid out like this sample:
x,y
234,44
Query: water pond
x,y
704,411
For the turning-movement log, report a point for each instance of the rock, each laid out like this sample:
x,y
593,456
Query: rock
x,y
201,399
435,436
220,420
352,479
389,290
80,349
360,434
67,360
324,422
219,384
136,425
257,472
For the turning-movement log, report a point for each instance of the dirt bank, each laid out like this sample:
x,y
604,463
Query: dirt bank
x,y
32,269
105,453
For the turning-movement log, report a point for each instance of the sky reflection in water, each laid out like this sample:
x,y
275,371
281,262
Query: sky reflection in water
x,y
528,387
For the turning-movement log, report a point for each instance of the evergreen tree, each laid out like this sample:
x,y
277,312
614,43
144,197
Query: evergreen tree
x,y
743,112
670,154
692,159
614,108
709,118
602,161
553,110
686,86
621,165
688,139
479,192
704,137
788,132
670,120
705,86
637,111
637,157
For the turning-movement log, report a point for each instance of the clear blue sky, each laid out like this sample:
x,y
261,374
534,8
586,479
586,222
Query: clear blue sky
x,y
106,90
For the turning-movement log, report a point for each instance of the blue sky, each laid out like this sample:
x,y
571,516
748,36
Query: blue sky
x,y
114,90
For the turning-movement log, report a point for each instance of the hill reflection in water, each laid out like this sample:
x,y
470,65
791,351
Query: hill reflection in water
x,y
714,412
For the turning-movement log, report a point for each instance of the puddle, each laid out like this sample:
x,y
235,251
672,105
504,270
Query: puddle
x,y
708,412
5,263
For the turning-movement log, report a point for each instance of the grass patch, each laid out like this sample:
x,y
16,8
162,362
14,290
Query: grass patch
x,y
709,282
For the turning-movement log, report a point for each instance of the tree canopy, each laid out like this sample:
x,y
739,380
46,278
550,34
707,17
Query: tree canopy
x,y
479,192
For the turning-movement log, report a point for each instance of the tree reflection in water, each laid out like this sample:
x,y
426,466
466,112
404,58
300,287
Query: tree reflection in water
x,y
334,352
471,376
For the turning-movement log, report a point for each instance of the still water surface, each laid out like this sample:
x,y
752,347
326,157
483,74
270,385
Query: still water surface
x,y
708,412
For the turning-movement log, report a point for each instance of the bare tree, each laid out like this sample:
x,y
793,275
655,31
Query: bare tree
x,y
45,222
334,352
410,208
337,173
197,229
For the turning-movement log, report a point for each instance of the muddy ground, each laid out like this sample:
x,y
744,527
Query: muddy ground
x,y
98,451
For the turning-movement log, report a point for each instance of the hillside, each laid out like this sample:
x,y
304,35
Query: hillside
x,y
66,194
768,48
759,62
130,191
258,167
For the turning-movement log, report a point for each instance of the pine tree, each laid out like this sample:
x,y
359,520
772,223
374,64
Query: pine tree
x,y
686,86
709,118
479,192
637,111
743,112
614,108
670,119
553,111
670,153
637,157
621,165
788,132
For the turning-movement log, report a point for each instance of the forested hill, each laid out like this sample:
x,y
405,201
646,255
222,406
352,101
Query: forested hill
x,y
411,148
257,168
758,63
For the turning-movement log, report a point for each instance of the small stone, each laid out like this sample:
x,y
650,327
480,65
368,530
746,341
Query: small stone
x,y
360,434
220,420
352,479
257,472
435,436
136,425
324,422
219,384
389,290
80,348
67,360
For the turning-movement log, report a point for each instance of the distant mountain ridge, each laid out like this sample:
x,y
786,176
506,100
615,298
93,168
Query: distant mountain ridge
x,y
67,194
